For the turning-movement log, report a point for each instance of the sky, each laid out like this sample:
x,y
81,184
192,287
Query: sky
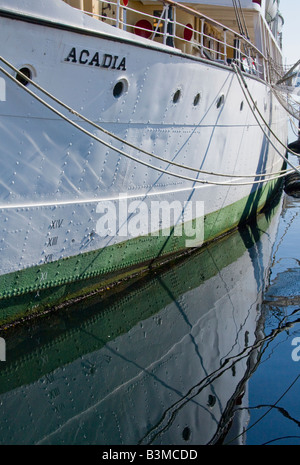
x,y
290,10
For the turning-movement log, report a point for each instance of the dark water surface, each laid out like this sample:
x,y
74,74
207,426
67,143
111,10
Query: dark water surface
x,y
200,353
274,402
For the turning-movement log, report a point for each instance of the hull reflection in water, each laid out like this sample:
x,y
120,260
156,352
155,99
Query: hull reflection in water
x,y
166,363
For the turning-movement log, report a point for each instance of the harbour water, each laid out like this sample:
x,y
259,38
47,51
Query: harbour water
x,y
204,352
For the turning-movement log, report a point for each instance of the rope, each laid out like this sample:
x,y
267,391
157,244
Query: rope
x,y
65,118
288,74
244,21
238,19
239,74
71,110
287,106
295,128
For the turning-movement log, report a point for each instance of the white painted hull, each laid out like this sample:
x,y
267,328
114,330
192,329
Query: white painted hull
x,y
54,178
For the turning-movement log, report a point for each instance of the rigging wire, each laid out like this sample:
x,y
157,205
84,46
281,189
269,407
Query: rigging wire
x,y
240,26
287,106
244,21
295,129
279,439
267,412
267,340
71,110
169,173
239,75
85,131
270,175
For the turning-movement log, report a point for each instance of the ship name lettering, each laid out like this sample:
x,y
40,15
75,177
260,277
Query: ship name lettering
x,y
54,393
52,241
43,276
48,258
49,378
56,224
85,57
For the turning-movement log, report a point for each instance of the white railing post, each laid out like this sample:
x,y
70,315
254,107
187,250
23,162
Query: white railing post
x,y
118,14
225,46
174,23
202,37
237,51
166,20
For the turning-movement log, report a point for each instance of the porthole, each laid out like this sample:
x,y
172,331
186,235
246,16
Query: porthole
x,y
197,99
120,88
186,433
176,96
27,72
220,100
211,400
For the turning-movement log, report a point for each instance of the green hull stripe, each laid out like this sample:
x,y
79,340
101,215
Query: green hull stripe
x,y
53,283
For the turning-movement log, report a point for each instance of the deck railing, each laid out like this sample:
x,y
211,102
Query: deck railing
x,y
184,28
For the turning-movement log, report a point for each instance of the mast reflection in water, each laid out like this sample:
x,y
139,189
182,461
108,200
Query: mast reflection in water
x,y
165,362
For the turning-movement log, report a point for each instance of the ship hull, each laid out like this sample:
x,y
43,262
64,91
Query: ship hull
x,y
79,206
